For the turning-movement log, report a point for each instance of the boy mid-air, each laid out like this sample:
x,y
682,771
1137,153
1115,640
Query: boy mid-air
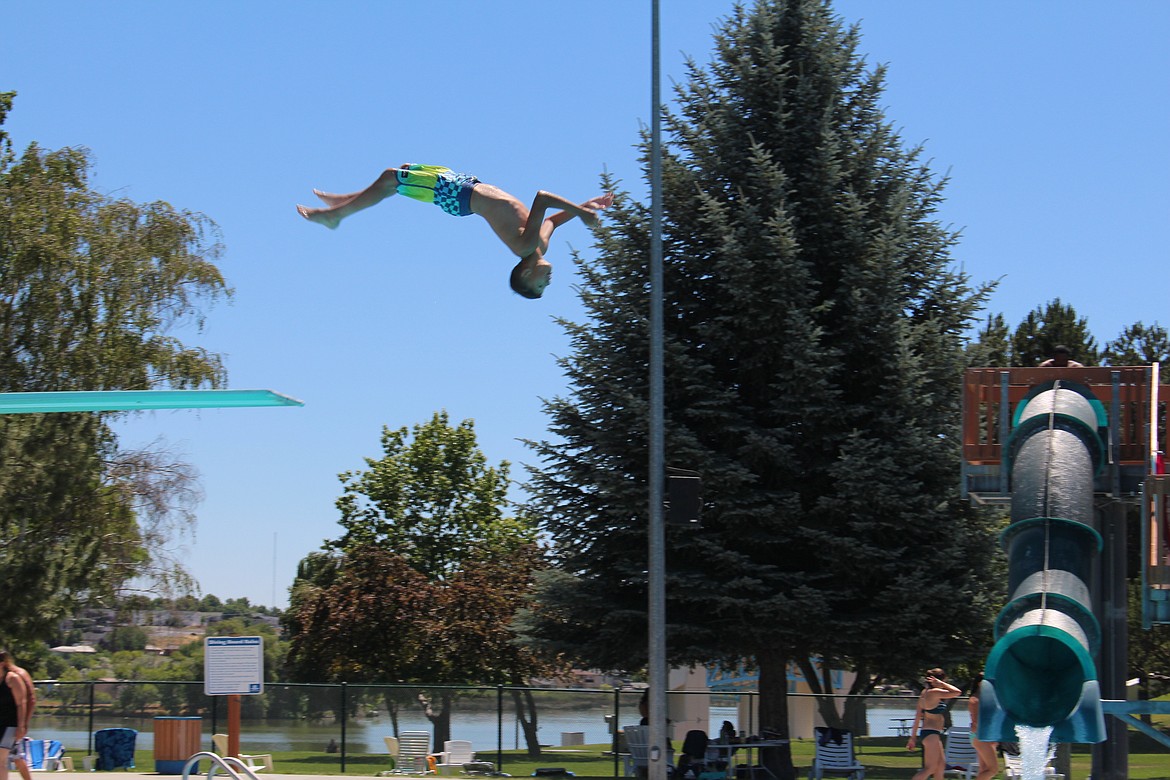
x,y
525,230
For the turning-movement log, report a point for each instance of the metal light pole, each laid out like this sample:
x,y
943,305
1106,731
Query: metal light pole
x,y
656,530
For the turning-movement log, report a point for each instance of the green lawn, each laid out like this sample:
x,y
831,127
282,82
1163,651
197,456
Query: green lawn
x,y
885,758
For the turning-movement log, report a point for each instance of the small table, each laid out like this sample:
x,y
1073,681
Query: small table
x,y
902,728
726,750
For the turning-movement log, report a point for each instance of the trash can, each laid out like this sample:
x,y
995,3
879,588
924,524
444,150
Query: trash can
x,y
176,739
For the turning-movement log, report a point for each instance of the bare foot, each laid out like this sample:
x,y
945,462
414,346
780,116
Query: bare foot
x,y
320,216
332,199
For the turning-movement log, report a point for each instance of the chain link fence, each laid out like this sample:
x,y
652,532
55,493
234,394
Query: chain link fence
x,y
353,719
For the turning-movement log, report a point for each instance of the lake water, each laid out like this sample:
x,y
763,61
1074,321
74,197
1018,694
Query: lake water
x,y
365,735
362,736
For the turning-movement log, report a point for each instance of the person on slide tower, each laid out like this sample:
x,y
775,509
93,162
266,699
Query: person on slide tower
x,y
525,230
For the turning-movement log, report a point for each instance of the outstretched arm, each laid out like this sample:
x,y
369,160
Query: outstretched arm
x,y
538,229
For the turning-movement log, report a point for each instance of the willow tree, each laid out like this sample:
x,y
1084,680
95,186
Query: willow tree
x,y
92,291
814,327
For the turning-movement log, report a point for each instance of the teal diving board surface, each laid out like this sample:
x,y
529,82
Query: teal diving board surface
x,y
138,400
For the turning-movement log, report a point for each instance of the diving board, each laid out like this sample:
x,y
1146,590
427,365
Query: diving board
x,y
138,400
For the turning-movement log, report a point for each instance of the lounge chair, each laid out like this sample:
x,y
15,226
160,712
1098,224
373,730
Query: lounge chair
x,y
455,753
257,762
392,749
834,755
45,755
638,743
960,756
414,747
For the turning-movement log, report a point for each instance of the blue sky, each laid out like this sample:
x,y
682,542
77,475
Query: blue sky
x,y
1051,117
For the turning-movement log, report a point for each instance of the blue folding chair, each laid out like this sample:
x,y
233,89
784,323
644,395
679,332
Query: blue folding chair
x,y
43,755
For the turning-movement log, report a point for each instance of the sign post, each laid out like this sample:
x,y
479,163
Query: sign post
x,y
233,665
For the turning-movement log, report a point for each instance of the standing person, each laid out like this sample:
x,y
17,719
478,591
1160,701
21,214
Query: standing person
x,y
18,757
930,715
524,229
13,718
988,759
1061,358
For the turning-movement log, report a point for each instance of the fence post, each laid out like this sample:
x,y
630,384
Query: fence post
x,y
89,742
214,716
344,711
499,728
617,708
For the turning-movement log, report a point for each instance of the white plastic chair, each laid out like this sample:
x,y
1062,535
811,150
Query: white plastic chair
x,y
638,743
961,758
413,749
257,763
455,753
392,749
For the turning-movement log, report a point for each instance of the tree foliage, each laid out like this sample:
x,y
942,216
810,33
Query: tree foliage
x,y
814,331
1138,345
424,582
92,289
1049,326
432,499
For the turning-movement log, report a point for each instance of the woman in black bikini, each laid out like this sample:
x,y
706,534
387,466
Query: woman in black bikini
x,y
929,724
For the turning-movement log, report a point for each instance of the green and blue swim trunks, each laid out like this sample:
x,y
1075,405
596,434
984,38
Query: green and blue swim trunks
x,y
448,190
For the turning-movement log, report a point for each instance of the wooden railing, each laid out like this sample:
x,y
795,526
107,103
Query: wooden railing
x,y
1138,413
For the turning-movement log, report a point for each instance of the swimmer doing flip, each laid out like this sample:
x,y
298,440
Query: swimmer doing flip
x,y
525,230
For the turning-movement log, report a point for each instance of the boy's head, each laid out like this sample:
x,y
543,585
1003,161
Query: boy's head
x,y
530,276
1061,354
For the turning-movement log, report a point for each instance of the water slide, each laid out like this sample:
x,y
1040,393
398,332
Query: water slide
x,y
1040,671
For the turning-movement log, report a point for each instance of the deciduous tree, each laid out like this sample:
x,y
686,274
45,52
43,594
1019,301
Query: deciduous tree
x,y
426,579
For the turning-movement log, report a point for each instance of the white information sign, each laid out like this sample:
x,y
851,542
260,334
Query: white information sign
x,y
233,665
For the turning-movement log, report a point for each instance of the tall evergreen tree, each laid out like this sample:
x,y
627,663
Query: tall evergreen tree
x,y
813,359
1049,326
1138,345
992,344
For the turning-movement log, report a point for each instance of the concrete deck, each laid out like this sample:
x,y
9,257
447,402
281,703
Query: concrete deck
x,y
134,774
